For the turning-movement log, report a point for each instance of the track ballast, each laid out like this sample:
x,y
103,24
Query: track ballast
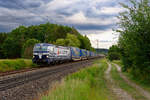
x,y
9,83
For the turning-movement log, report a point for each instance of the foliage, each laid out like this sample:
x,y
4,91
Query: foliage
x,y
12,44
9,65
134,38
61,42
87,84
27,51
85,42
3,37
11,48
114,53
70,40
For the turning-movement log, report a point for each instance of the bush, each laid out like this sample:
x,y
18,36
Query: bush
x,y
114,53
134,38
113,56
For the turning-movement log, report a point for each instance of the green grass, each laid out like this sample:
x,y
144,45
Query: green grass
x,y
118,62
87,84
143,83
123,85
15,64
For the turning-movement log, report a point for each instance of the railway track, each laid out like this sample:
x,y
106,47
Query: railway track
x,y
16,71
9,83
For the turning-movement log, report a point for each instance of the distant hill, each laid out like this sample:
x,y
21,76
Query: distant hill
x,y
104,51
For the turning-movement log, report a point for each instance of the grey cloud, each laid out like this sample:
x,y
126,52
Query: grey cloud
x,y
35,12
20,4
9,3
93,27
4,29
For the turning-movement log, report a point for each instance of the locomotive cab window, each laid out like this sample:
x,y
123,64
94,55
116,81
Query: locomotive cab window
x,y
40,48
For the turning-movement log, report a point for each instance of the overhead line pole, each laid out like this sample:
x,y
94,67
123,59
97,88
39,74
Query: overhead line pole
x,y
97,43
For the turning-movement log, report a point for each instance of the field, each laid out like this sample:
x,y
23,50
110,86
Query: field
x,y
15,64
87,84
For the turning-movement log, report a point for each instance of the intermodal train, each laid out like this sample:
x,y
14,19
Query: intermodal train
x,y
44,53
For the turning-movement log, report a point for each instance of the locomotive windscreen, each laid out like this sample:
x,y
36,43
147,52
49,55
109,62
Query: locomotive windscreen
x,y
40,48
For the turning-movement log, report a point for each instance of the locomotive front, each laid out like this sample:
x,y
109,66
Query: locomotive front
x,y
42,53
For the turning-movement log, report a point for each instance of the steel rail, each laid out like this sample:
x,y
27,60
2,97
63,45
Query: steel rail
x,y
6,84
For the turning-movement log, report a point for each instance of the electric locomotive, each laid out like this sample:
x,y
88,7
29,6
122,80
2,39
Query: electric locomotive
x,y
44,53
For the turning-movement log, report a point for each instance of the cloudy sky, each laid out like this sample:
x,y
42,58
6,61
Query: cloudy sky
x,y
94,18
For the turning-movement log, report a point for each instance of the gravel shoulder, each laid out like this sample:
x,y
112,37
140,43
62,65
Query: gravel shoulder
x,y
32,89
143,92
120,93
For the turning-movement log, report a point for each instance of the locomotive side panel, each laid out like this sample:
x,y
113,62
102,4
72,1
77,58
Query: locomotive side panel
x,y
64,53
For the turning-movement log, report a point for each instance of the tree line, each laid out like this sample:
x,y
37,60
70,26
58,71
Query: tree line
x,y
134,40
20,41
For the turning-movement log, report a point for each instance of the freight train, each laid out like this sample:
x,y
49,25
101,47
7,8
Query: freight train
x,y
44,53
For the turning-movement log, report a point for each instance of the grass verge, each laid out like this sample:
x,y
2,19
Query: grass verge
x,y
123,85
143,83
15,64
87,84
118,62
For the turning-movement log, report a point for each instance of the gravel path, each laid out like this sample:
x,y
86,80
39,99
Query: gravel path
x,y
120,94
134,85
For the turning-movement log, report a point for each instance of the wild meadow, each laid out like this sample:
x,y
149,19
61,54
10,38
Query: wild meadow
x,y
87,84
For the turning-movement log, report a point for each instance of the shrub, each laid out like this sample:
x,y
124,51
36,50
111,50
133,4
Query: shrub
x,y
135,37
114,53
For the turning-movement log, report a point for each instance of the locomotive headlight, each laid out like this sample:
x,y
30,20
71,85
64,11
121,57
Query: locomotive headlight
x,y
33,56
47,56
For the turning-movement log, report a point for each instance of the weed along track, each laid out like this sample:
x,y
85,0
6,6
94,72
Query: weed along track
x,y
25,82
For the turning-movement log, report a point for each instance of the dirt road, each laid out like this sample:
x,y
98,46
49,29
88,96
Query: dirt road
x,y
120,93
143,92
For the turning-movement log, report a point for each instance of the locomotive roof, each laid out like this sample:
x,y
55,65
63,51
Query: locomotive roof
x,y
44,44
